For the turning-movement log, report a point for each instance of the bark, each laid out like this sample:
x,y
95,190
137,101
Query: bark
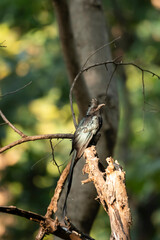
x,y
48,225
112,193
82,30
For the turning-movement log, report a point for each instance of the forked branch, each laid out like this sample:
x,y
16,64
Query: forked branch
x,y
36,137
25,138
50,226
112,193
114,62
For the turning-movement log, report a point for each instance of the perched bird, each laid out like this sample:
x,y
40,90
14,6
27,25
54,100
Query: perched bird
x,y
83,136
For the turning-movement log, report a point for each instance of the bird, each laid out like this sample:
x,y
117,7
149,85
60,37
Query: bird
x,y
84,135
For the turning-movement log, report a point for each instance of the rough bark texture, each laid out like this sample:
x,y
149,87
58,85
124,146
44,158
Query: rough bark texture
x,y
112,193
82,30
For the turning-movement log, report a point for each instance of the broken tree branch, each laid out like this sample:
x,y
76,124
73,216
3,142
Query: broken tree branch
x,y
111,193
52,208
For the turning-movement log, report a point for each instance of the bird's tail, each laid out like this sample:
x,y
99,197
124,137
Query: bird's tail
x,y
69,182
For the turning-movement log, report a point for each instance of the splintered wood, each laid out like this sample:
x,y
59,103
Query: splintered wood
x,y
111,189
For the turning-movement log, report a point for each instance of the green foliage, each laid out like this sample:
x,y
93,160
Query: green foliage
x,y
33,53
138,143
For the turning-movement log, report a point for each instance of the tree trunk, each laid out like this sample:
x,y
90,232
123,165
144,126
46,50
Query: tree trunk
x,y
82,30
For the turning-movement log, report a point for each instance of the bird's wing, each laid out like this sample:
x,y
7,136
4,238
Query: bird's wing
x,y
85,139
85,131
82,141
82,137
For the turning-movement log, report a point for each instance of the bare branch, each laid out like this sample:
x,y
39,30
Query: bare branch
x,y
73,232
53,206
105,63
54,161
50,226
34,138
98,49
17,90
12,126
140,68
80,72
114,61
143,90
110,80
69,136
22,213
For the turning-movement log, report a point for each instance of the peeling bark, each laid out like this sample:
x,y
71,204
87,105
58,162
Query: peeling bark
x,y
112,193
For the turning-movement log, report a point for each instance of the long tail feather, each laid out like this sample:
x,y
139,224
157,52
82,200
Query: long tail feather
x,y
69,182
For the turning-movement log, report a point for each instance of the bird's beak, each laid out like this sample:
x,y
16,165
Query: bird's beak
x,y
99,106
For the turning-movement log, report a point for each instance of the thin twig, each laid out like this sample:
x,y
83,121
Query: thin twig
x,y
12,126
114,61
140,68
152,109
143,89
110,80
17,90
34,138
98,49
54,161
80,72
69,136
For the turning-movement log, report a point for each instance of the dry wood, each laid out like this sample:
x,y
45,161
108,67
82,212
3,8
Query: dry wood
x,y
112,193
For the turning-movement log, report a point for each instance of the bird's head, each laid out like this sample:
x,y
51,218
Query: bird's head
x,y
94,106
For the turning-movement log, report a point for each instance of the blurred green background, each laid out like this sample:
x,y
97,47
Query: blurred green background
x,y
28,176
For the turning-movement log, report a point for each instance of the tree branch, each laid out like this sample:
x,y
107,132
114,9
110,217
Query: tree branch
x,y
50,226
17,90
22,213
54,161
36,137
105,63
52,208
111,193
11,125
75,79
